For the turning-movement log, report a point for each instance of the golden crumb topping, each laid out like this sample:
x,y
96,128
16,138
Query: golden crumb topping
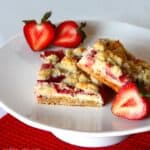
x,y
78,51
73,79
122,62
44,74
140,70
67,67
75,52
55,72
113,51
103,44
51,59
68,64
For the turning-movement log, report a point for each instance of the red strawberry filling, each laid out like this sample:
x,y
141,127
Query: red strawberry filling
x,y
90,58
58,53
109,72
123,78
66,90
57,79
46,66
71,90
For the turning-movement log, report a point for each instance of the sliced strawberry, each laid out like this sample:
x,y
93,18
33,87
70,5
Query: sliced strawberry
x,y
39,36
69,34
129,103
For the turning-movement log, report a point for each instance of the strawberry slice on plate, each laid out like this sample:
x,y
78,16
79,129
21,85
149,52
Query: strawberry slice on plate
x,y
39,35
69,34
129,103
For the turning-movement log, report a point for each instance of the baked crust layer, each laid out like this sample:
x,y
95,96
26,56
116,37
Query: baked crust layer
x,y
66,101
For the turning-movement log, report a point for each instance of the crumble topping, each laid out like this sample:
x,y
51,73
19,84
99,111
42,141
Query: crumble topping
x,y
53,59
68,64
79,51
122,62
87,86
75,52
44,74
110,58
73,79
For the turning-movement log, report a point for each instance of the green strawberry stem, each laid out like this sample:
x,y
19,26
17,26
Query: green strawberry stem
x,y
46,16
79,29
27,21
147,95
141,89
82,25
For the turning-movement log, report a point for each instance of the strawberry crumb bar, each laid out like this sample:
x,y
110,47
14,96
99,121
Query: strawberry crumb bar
x,y
110,63
61,82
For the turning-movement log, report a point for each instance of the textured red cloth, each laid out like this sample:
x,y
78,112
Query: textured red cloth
x,y
16,135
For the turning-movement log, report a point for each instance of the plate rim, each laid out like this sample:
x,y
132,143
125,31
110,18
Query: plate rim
x,y
84,133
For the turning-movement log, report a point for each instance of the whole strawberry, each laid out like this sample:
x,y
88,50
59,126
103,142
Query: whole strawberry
x,y
39,35
69,34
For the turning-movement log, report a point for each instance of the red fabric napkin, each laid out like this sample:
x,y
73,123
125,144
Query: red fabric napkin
x,y
16,135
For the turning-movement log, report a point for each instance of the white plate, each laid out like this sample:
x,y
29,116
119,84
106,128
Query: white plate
x,y
76,125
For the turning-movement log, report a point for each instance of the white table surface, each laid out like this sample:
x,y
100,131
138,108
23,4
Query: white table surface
x,y
13,12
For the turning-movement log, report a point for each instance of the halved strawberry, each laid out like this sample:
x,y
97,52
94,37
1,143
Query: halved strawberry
x,y
69,34
129,103
39,36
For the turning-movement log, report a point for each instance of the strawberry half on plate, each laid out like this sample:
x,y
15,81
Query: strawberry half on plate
x,y
129,103
69,34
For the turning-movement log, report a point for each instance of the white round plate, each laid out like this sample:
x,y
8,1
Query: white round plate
x,y
81,126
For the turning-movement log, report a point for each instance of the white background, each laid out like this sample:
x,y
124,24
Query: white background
x,y
12,12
